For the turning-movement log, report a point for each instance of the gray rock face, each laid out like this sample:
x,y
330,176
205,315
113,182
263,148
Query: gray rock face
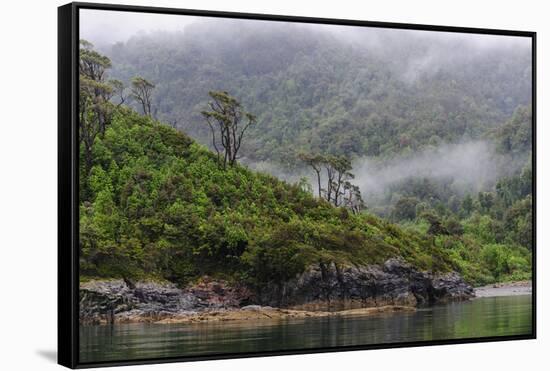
x,y
320,287
393,283
110,301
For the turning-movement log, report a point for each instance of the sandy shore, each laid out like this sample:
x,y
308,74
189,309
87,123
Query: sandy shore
x,y
266,313
504,289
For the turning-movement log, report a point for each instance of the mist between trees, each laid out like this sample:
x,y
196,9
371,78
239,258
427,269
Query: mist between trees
x,y
469,167
432,132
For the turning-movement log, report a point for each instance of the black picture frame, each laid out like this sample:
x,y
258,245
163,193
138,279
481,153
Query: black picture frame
x,y
68,261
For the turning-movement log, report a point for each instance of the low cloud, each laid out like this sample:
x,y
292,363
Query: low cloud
x,y
471,167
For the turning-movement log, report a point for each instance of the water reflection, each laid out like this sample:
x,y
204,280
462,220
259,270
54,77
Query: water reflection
x,y
496,316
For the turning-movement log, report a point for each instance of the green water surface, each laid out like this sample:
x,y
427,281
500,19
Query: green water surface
x,y
495,316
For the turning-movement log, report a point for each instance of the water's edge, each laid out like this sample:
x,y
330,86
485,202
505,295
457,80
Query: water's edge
x,y
504,289
393,285
482,317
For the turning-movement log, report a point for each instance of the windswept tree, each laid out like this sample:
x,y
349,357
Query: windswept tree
x,y
142,91
96,92
228,122
335,173
338,173
316,163
118,91
92,65
351,198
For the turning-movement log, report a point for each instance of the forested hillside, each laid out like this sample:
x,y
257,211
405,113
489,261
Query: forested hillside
x,y
434,134
156,204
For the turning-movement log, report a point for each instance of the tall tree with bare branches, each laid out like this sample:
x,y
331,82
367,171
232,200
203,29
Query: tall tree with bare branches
x,y
142,91
316,163
228,122
95,108
335,173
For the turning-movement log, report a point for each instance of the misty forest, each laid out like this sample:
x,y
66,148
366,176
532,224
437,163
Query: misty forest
x,y
248,151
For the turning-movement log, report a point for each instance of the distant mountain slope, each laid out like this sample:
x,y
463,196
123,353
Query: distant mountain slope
x,y
371,92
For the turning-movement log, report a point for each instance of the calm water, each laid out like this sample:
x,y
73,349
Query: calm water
x,y
509,315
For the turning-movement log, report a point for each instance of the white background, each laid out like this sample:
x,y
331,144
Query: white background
x,y
28,155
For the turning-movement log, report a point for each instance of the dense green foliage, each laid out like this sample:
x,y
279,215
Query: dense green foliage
x,y
157,204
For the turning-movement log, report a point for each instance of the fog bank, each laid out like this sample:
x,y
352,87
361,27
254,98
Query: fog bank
x,y
470,167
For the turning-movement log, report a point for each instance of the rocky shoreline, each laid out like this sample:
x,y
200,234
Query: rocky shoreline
x,y
323,290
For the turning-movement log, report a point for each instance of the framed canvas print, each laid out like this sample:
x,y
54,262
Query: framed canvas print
x,y
237,185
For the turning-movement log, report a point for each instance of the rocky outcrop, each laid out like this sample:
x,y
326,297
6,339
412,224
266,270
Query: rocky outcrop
x,y
322,287
122,301
393,283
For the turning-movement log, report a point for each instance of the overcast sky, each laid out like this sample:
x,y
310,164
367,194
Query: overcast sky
x,y
102,26
109,27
